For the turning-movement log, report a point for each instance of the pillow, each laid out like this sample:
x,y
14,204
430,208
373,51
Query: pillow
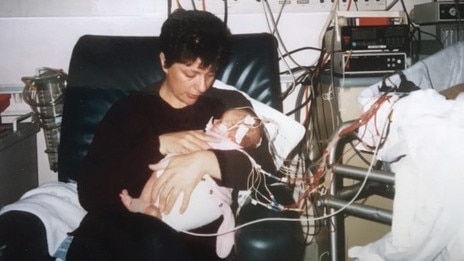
x,y
286,132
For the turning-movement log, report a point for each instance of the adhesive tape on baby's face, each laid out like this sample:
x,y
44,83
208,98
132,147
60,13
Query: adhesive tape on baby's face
x,y
240,133
248,120
243,128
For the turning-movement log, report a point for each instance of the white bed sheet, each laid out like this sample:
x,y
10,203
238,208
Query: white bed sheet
x,y
425,148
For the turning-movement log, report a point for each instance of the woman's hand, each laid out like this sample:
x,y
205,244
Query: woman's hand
x,y
180,176
185,142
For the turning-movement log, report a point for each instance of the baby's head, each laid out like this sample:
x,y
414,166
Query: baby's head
x,y
240,125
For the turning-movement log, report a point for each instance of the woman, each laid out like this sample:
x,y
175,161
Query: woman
x,y
141,129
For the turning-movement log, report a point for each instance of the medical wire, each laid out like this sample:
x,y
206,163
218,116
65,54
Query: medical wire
x,y
390,6
267,11
284,53
326,95
329,20
338,211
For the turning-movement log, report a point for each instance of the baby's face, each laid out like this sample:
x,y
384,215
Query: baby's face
x,y
238,126
227,124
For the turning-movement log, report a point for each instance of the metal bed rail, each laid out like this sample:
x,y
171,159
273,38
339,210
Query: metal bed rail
x,y
340,198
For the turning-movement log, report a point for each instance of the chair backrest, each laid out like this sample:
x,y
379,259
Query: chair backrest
x,y
105,68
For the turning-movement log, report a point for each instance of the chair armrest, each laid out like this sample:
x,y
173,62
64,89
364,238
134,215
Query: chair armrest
x,y
22,237
269,240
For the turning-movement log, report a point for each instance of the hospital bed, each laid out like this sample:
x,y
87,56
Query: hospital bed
x,y
414,235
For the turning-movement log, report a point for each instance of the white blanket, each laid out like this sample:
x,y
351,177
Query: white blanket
x,y
57,206
426,144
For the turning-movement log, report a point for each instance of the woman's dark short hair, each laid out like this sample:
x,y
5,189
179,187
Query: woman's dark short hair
x,y
190,34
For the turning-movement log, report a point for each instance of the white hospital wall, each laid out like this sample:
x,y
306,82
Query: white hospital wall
x,y
42,33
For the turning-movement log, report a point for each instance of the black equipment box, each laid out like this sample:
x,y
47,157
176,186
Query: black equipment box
x,y
375,38
379,63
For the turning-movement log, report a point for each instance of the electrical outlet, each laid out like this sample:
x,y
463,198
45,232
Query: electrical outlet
x,y
291,6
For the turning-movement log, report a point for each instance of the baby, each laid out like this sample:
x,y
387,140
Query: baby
x,y
237,128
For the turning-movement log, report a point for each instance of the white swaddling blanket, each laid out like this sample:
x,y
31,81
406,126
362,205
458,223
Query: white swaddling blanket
x,y
426,138
56,205
208,202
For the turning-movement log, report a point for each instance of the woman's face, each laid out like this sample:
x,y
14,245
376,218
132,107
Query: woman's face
x,y
185,83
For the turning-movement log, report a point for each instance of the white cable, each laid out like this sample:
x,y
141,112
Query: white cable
x,y
329,96
274,30
390,6
384,128
330,18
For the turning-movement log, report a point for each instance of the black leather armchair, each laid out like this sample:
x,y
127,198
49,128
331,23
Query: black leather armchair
x,y
104,69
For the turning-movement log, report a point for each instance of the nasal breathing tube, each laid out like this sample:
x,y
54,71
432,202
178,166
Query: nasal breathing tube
x,y
242,126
